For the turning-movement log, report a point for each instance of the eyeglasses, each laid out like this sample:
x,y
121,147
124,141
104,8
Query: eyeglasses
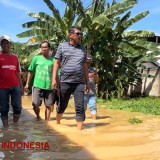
x,y
79,34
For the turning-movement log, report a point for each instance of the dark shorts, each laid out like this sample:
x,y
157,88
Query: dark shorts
x,y
12,95
55,97
38,95
66,89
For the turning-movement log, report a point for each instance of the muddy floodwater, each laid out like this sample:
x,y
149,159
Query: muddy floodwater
x,y
110,137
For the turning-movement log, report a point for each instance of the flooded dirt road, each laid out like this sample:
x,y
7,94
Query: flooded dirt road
x,y
111,137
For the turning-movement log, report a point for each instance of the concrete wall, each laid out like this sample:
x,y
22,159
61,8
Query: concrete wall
x,y
150,86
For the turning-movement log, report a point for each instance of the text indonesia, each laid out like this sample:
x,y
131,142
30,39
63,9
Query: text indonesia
x,y
25,145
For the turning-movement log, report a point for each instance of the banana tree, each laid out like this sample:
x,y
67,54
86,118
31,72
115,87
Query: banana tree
x,y
49,27
105,31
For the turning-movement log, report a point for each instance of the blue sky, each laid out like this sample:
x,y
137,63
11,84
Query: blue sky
x,y
13,13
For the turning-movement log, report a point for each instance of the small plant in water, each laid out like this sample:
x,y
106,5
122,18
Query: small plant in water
x,y
135,120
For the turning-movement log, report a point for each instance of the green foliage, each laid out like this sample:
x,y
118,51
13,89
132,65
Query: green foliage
x,y
109,42
23,52
105,35
148,105
135,120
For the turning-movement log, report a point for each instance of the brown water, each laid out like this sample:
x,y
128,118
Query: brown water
x,y
111,137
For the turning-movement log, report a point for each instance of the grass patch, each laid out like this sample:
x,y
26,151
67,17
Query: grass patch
x,y
147,105
135,120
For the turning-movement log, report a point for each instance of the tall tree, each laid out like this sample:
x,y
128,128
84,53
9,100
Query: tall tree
x,y
105,34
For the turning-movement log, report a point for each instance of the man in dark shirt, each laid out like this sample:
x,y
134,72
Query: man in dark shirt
x,y
71,57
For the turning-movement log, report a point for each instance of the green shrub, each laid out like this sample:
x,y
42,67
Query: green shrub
x,y
135,120
147,105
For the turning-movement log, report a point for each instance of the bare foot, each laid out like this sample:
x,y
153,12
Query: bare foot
x,y
39,118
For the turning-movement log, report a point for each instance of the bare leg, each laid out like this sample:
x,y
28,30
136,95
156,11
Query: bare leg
x,y
79,125
48,111
52,108
58,117
94,116
16,118
5,123
37,111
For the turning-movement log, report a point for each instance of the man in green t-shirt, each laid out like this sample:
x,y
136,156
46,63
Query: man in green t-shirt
x,y
41,67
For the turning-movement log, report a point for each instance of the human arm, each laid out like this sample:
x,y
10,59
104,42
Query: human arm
x,y
20,82
55,80
96,76
56,66
86,78
19,75
31,72
29,77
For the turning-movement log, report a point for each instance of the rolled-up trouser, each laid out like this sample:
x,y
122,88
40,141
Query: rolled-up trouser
x,y
91,101
66,89
13,94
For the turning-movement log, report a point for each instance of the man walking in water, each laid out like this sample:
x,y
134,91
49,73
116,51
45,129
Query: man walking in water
x,y
71,57
11,87
41,67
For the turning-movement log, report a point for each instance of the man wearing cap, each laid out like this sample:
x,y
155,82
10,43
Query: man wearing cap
x,y
10,82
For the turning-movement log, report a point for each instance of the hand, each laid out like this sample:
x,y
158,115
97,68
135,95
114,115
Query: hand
x,y
87,88
54,84
26,88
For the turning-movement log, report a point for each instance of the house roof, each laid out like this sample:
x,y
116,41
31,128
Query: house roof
x,y
155,39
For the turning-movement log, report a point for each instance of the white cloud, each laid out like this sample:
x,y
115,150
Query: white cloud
x,y
14,4
157,34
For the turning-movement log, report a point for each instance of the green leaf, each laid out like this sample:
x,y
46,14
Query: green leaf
x,y
102,20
